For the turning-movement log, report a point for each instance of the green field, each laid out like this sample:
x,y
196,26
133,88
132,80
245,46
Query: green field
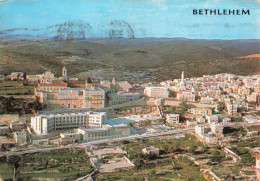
x,y
162,168
15,88
62,164
184,170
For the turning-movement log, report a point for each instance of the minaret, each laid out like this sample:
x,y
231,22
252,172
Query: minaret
x,y
182,79
114,81
64,73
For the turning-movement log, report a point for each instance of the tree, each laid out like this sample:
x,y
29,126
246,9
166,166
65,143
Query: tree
x,y
204,149
214,152
215,158
125,142
107,177
184,107
24,75
172,93
192,150
216,147
45,164
221,106
153,173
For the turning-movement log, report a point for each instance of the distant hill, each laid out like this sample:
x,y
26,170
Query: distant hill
x,y
163,58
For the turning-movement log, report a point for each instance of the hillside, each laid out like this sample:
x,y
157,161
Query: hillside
x,y
132,59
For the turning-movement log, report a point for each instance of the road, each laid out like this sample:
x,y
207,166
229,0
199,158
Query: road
x,y
83,145
145,135
242,124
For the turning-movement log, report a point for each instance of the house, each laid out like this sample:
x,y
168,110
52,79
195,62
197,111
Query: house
x,y
17,125
200,111
251,119
20,137
4,129
212,119
70,136
199,129
191,124
172,118
217,129
151,150
186,96
156,92
122,97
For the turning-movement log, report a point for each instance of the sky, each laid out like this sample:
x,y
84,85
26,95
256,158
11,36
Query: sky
x,y
145,18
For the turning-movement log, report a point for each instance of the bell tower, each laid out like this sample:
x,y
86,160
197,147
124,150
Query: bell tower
x,y
64,73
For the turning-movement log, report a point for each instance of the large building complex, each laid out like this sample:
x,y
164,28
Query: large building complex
x,y
186,96
73,97
69,93
105,132
156,92
44,124
119,98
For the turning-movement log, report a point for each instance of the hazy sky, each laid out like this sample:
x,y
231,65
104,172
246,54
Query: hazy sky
x,y
147,18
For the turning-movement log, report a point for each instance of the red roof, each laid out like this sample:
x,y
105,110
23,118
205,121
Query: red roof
x,y
258,157
54,85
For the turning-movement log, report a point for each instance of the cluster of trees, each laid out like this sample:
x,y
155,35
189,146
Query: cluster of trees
x,y
181,109
203,149
215,156
10,105
245,155
221,106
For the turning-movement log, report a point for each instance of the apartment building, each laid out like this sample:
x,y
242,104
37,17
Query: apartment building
x,y
191,124
105,132
186,96
156,92
44,124
201,111
200,129
231,108
217,129
172,119
119,98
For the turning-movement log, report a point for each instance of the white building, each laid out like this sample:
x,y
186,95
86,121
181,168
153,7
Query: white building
x,y
172,118
17,125
200,120
251,119
200,129
226,120
151,150
212,118
217,129
207,99
156,92
200,111
232,109
70,136
104,133
44,124
20,137
122,97
186,96
191,124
